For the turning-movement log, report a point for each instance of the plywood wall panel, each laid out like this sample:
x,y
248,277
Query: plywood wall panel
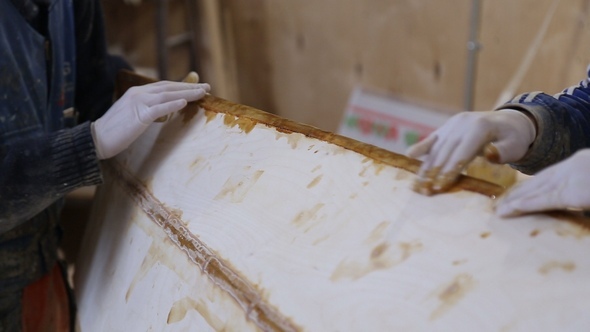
x,y
319,50
246,20
301,59
508,29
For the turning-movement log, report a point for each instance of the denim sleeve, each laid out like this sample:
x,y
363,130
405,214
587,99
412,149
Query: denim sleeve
x,y
37,171
563,125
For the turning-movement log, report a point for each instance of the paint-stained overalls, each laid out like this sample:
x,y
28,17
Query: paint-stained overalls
x,y
44,155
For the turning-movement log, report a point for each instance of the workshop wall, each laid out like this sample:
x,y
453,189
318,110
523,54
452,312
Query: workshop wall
x,y
131,28
301,59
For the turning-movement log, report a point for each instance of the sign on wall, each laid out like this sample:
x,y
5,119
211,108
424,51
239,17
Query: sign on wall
x,y
387,122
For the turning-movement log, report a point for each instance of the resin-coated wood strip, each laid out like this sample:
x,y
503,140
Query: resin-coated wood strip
x,y
247,117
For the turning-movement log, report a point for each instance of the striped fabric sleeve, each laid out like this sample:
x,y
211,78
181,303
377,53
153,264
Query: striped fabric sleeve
x,y
42,170
563,124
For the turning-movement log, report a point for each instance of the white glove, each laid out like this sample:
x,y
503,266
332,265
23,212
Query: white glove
x,y
451,147
563,185
130,116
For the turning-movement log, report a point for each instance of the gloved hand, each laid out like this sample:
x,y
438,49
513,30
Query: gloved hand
x,y
563,185
192,77
451,147
130,116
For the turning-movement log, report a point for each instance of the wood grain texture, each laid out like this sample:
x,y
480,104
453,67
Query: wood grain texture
x,y
302,59
321,234
314,53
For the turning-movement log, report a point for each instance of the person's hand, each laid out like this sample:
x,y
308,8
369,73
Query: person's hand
x,y
451,147
192,77
130,116
561,186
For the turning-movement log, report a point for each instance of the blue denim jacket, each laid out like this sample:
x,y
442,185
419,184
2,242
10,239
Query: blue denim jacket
x,y
50,61
563,124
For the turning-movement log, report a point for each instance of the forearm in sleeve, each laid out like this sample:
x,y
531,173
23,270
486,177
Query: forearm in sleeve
x,y
563,125
38,171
